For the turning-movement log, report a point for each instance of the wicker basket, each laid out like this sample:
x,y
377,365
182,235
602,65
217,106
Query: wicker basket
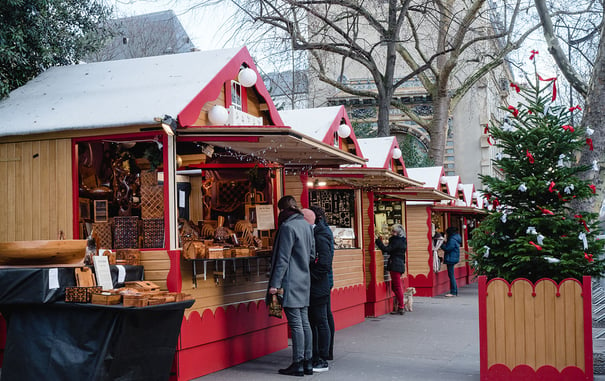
x,y
152,202
125,232
102,231
149,178
153,233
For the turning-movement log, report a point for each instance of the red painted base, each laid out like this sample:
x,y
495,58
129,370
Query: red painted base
x,y
234,335
438,283
500,372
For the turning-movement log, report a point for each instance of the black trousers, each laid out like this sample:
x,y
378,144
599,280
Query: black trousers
x,y
318,318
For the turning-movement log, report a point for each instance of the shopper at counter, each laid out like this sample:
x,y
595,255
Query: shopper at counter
x,y
293,250
396,263
320,290
451,248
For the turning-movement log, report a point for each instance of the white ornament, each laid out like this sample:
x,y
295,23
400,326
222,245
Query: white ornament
x,y
344,131
486,254
522,188
582,237
568,189
561,163
503,218
547,109
218,115
531,230
499,156
589,131
247,77
540,239
396,153
595,165
506,127
552,260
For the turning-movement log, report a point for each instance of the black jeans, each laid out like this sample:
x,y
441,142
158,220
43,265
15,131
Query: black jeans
x,y
318,318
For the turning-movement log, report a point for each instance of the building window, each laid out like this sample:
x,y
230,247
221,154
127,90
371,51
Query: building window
x,y
236,95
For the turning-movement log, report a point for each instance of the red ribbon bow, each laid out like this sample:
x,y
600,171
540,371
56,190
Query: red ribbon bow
x,y
589,142
551,186
486,129
538,247
577,107
530,156
490,140
567,127
546,211
589,257
593,188
515,86
533,54
579,217
554,85
514,110
495,203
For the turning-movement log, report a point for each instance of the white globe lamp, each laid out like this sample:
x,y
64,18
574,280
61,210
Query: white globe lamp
x,y
218,115
344,131
247,77
396,153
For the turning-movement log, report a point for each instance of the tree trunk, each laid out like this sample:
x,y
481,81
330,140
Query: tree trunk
x,y
594,117
438,127
384,106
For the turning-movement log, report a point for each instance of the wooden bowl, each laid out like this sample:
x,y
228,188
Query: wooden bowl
x,y
43,253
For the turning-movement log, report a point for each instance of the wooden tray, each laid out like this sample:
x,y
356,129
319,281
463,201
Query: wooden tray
x,y
56,253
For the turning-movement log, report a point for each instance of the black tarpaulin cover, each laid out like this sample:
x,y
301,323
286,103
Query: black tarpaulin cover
x,y
77,342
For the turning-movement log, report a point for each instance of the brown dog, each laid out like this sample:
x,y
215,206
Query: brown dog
x,y
408,299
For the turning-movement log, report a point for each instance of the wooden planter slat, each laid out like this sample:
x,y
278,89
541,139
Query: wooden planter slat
x,y
544,328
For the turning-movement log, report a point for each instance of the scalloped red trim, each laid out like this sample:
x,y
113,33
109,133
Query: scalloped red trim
x,y
500,372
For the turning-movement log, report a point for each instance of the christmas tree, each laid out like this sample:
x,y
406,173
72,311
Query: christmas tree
x,y
532,230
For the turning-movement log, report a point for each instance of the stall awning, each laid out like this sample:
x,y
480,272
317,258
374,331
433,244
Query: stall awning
x,y
273,143
421,194
459,209
378,179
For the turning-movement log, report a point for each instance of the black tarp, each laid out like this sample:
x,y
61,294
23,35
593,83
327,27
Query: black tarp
x,y
32,285
67,341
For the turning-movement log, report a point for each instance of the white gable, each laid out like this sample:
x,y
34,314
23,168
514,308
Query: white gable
x,y
451,183
376,150
313,122
111,93
431,176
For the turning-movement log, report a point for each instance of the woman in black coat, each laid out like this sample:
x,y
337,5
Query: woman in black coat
x,y
396,264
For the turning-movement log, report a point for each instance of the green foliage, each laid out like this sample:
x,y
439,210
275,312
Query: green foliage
x,y
38,34
412,154
532,200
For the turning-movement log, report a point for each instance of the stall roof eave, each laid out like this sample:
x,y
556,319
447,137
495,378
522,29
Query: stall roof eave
x,y
421,194
459,209
377,178
279,144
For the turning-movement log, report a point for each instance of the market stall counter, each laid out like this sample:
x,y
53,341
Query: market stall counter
x,y
73,341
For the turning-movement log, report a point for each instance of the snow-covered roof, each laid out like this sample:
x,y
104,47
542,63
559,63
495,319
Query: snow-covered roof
x,y
451,183
430,176
377,150
468,190
112,93
313,122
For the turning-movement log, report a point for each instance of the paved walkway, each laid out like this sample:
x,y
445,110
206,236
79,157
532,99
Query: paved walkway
x,y
438,341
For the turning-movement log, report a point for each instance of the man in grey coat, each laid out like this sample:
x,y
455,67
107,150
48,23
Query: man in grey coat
x,y
293,251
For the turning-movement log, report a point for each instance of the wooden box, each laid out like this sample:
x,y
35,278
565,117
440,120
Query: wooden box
x,y
129,256
152,201
153,233
126,232
135,300
215,252
194,250
143,285
241,252
106,298
80,294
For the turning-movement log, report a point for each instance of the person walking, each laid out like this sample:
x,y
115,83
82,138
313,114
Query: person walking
x,y
396,263
320,290
451,250
293,251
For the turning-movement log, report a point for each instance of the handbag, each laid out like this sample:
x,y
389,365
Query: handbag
x,y
275,307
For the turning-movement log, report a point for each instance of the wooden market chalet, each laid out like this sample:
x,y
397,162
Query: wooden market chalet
x,y
183,157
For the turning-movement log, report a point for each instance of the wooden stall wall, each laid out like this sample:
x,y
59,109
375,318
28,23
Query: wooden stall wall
x,y
36,191
528,330
419,248
156,264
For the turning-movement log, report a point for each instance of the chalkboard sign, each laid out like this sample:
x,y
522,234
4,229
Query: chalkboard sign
x,y
339,206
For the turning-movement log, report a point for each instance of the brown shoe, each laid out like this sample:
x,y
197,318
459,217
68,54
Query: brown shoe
x,y
400,311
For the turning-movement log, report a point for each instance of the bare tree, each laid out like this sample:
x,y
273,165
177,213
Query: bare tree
x,y
592,91
448,45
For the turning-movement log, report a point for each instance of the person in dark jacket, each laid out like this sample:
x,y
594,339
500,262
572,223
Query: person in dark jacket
x,y
320,290
451,249
396,264
293,251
